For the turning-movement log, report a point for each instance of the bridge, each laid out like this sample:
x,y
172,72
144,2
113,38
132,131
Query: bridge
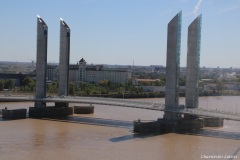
x,y
127,103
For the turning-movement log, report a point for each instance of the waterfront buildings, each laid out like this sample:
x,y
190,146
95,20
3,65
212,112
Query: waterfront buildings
x,y
82,72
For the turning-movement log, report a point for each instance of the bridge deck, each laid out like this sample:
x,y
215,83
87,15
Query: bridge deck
x,y
128,103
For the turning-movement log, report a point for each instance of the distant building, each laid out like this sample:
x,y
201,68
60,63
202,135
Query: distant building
x,y
82,72
227,76
156,67
52,72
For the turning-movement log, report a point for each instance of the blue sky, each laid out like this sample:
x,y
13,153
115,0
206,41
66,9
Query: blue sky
x,y
120,31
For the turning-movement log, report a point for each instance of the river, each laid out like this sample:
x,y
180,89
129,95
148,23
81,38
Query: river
x,y
108,135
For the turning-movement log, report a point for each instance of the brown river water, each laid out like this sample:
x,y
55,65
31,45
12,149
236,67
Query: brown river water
x,y
108,135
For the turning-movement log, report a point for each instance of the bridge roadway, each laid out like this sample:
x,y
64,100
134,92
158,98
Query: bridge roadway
x,y
127,103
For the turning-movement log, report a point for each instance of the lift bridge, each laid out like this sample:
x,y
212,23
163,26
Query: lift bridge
x,y
140,104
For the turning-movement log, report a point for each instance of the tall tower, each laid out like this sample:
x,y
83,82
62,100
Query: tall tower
x,y
193,60
173,66
41,62
64,58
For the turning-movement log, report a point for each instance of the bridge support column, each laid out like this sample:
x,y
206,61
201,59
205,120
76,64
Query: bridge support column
x,y
213,121
190,117
193,61
173,66
61,104
166,126
84,109
40,104
14,113
49,112
172,116
41,61
64,59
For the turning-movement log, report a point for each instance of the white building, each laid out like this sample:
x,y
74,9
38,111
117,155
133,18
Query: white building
x,y
81,72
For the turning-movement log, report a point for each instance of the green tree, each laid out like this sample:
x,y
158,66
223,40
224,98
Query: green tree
x,y
72,88
159,83
104,90
109,83
182,81
219,86
28,82
121,91
9,84
53,87
2,83
104,83
147,83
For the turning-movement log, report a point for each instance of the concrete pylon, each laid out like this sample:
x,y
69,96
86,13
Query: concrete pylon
x,y
193,61
173,66
64,61
41,61
64,58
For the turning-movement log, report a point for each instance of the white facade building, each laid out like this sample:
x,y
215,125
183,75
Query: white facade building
x,y
81,72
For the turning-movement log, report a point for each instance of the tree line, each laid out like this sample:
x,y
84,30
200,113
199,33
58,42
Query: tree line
x,y
104,88
6,84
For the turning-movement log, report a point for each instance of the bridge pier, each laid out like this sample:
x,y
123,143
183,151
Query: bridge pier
x,y
46,112
169,116
190,117
185,123
83,109
40,104
163,126
213,121
61,104
14,113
